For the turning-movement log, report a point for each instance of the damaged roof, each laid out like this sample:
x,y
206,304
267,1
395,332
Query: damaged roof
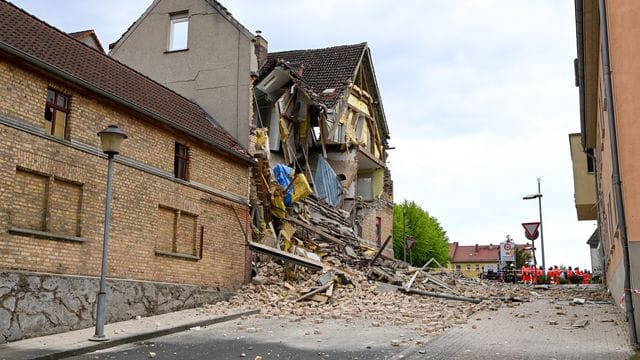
x,y
34,41
324,69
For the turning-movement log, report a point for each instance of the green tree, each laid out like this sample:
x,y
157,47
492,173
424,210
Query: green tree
x,y
523,257
431,239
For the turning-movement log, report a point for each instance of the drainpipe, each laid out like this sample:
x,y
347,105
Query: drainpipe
x,y
615,176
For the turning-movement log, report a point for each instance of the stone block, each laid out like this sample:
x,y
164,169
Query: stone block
x,y
9,303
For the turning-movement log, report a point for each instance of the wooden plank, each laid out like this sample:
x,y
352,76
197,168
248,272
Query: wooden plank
x,y
380,252
442,295
316,230
313,292
291,258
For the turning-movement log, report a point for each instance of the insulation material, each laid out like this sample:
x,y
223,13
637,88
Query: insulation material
x,y
364,137
346,117
358,104
301,188
262,138
350,134
278,209
303,131
287,231
287,140
326,183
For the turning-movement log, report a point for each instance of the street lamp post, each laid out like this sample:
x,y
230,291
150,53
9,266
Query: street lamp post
x,y
110,140
539,197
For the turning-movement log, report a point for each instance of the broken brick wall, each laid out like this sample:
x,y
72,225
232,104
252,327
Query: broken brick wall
x,y
370,214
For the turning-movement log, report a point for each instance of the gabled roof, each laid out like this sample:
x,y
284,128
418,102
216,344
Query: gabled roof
x,y
324,69
83,35
32,40
473,253
216,5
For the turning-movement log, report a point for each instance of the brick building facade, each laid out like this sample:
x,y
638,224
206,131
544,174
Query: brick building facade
x,y
180,186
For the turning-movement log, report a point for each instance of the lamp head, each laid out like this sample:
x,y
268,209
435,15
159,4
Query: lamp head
x,y
111,138
532,196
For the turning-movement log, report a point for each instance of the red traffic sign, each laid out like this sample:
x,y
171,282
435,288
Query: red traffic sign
x,y
532,236
531,230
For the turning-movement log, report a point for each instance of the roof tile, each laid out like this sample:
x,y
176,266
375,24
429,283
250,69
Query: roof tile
x,y
44,43
324,69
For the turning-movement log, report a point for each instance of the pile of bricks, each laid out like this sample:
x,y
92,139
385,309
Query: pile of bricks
x,y
362,298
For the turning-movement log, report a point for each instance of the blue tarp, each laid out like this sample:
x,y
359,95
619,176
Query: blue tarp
x,y
326,184
283,175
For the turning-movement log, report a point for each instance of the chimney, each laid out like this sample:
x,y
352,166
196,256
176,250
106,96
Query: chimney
x,y
476,247
260,48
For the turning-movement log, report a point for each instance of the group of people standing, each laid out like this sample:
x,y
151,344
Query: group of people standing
x,y
554,275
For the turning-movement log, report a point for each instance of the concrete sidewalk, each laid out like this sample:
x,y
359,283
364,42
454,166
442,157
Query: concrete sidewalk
x,y
59,346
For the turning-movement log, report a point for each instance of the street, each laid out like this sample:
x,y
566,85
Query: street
x,y
543,328
273,339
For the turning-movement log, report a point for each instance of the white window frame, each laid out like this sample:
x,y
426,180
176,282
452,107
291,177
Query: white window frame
x,y
175,21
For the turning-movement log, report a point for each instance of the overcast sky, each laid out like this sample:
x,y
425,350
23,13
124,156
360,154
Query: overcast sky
x,y
479,97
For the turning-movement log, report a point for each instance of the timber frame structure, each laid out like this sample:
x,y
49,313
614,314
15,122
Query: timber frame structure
x,y
320,113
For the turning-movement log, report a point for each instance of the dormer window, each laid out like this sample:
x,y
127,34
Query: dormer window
x,y
178,31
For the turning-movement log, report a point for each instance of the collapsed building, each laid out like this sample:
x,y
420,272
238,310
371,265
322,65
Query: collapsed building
x,y
321,131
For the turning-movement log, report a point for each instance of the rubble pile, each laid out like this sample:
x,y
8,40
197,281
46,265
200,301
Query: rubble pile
x,y
355,297
317,268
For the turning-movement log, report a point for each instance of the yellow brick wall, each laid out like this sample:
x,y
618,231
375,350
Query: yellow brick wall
x,y
385,212
137,195
472,272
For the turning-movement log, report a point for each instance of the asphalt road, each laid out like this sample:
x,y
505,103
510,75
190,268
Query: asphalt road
x,y
540,329
273,339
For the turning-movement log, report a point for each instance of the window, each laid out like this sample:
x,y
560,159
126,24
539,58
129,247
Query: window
x,y
365,186
46,205
178,32
468,267
477,267
55,113
458,268
181,162
590,161
176,233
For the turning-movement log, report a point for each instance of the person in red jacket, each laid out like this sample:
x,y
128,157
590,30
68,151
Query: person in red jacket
x,y
534,274
540,273
569,273
525,274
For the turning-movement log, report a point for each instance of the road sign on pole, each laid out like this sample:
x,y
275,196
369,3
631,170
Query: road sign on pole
x,y
531,229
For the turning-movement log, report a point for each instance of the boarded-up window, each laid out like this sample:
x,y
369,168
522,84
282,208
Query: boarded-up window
x,y
46,203
176,231
66,206
29,208
166,225
186,234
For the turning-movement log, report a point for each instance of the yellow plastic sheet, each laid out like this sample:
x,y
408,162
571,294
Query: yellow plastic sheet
x,y
301,188
278,209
